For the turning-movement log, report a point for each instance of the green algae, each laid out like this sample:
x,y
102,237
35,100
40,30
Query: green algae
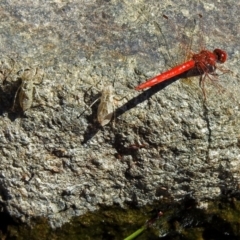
x,y
221,220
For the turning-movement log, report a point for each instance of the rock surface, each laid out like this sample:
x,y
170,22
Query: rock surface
x,y
167,142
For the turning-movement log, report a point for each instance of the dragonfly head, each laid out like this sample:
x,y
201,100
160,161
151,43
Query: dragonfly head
x,y
221,55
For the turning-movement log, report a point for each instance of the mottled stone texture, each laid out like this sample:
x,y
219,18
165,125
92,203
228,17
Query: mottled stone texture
x,y
167,142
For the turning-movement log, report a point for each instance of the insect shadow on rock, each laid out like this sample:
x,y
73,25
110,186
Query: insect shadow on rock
x,y
7,66
6,69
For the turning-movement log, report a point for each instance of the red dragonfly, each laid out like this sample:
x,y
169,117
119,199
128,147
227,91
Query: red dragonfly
x,y
203,63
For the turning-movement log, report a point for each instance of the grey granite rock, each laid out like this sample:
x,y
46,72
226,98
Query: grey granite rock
x,y
167,142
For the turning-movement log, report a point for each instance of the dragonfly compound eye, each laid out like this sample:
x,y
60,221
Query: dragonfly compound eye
x,y
221,55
